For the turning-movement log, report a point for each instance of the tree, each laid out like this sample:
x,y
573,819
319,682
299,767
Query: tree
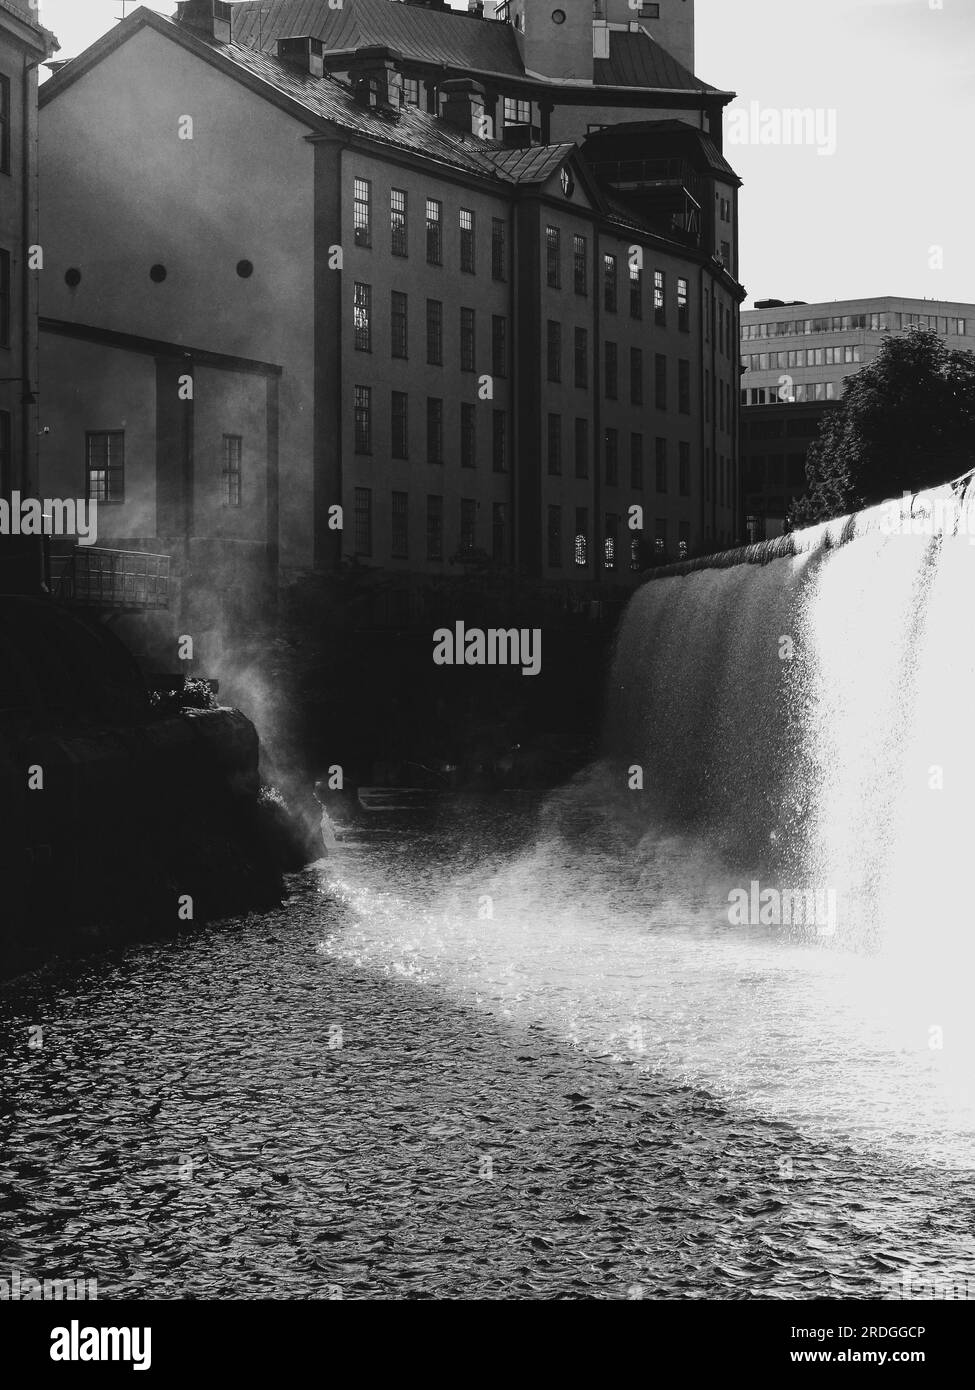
x,y
906,422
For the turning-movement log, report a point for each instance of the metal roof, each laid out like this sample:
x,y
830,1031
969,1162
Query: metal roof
x,y
432,36
635,60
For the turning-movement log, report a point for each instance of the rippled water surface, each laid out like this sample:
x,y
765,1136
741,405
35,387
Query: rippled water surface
x,y
475,1060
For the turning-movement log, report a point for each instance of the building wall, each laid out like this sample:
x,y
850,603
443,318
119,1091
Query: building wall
x,y
100,389
21,46
121,192
383,374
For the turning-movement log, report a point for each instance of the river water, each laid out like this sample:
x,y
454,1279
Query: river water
x,y
522,1047
467,1059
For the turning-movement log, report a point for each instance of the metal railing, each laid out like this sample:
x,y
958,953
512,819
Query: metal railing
x,y
103,578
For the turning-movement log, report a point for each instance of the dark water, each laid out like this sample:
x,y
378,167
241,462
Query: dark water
x,y
356,1097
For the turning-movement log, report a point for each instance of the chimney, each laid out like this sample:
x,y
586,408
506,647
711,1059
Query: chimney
x,y
211,19
307,55
464,105
476,8
377,82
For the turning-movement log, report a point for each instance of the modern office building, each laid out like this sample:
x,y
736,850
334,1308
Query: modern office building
x,y
24,45
795,358
298,319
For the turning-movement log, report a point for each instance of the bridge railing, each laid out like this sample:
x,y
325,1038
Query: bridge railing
x,y
100,578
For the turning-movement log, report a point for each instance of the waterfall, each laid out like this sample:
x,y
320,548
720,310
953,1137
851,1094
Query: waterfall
x,y
806,718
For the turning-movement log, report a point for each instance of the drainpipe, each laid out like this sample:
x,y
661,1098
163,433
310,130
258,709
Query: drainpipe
x,y
28,315
514,396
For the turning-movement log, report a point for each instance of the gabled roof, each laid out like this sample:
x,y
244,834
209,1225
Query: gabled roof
x,y
446,37
534,164
637,60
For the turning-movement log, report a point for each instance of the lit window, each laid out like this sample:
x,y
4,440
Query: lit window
x,y
517,112
362,212
434,231
397,222
683,313
467,251
105,465
659,298
362,316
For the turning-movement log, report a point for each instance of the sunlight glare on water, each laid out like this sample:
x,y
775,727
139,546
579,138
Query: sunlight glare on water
x,y
844,764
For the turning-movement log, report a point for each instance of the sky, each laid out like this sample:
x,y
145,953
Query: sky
x,y
886,209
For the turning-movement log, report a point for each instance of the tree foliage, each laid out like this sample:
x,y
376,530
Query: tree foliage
x,y
906,422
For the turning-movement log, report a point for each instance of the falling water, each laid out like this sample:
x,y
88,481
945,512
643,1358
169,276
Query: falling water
x,y
799,725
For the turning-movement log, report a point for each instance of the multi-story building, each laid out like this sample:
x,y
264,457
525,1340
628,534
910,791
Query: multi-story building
x,y
24,45
795,358
301,317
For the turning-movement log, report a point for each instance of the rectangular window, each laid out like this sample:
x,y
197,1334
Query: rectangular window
x,y
580,265
499,345
611,371
498,252
467,247
468,435
612,453
555,445
363,521
684,469
105,465
660,381
553,258
434,332
683,311
362,212
582,448
363,419
4,124
582,358
661,465
468,524
684,386
411,96
636,292
499,543
610,287
555,537
636,376
683,539
499,441
399,331
5,448
398,229
4,298
660,298
233,450
434,430
517,111
554,350
434,231
636,462
610,540
399,425
467,331
434,528
660,539
362,316
400,534
580,546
